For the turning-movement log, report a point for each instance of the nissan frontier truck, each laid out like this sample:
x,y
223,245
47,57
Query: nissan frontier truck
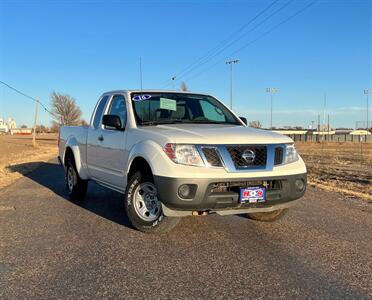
x,y
174,154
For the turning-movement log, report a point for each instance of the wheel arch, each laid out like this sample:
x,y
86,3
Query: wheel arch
x,y
72,150
139,163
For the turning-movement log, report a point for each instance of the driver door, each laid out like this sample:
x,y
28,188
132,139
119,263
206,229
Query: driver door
x,y
111,156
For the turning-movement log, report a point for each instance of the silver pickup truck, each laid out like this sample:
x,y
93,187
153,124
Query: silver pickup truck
x,y
175,154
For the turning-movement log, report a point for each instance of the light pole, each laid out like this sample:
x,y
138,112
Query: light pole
x,y
231,62
271,91
366,92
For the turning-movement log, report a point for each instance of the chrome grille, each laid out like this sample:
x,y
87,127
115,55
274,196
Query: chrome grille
x,y
236,153
212,156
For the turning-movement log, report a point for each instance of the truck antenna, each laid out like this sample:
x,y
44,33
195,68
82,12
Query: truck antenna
x,y
140,71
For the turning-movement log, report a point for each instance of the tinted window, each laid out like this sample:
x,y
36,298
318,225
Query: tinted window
x,y
212,112
118,108
163,108
99,111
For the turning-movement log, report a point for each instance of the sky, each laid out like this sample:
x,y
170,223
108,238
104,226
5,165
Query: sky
x,y
312,54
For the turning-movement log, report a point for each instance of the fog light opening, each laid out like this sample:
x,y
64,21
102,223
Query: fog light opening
x,y
300,185
184,191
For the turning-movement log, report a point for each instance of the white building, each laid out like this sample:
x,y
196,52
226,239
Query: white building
x,y
5,127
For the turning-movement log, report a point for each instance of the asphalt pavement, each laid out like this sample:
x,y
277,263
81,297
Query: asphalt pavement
x,y
52,248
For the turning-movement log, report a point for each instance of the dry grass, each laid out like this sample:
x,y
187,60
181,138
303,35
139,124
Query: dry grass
x,y
341,167
18,157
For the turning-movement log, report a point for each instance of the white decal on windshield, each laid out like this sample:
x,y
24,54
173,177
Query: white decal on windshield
x,y
141,97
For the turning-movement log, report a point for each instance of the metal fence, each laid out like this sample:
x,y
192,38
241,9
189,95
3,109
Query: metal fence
x,y
331,138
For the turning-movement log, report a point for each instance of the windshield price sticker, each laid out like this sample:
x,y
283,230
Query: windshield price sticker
x,y
168,104
141,97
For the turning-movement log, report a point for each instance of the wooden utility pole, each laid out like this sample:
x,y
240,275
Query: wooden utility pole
x,y
328,129
35,122
318,137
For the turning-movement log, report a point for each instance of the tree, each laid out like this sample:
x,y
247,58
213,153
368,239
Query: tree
x,y
65,110
255,124
83,122
24,126
54,128
41,129
184,87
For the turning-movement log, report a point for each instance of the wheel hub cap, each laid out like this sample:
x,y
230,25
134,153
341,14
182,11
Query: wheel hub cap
x,y
146,203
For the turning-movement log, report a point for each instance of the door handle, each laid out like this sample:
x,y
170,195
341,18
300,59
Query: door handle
x,y
100,138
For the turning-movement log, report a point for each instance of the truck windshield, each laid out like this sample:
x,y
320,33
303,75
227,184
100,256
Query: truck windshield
x,y
169,108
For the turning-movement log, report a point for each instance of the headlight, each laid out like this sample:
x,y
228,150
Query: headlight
x,y
291,154
184,154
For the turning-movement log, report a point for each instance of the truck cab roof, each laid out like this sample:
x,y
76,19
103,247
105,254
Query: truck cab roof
x,y
147,91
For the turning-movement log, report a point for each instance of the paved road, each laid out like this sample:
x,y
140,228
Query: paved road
x,y
53,248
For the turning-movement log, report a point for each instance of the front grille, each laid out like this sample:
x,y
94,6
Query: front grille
x,y
278,158
237,154
212,156
234,186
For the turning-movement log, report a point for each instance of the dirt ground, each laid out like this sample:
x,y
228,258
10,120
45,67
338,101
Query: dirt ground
x,y
341,167
17,151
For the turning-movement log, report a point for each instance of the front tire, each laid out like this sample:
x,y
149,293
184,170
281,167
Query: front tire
x,y
143,208
76,187
267,216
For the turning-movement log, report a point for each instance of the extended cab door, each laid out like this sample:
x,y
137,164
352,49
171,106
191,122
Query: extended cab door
x,y
106,153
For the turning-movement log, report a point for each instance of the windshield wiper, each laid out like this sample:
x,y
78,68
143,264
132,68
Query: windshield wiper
x,y
152,123
210,122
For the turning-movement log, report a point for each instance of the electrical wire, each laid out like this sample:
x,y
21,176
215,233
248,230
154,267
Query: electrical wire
x,y
222,43
240,37
256,39
29,97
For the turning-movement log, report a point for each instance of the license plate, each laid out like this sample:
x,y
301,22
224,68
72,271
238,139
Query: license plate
x,y
252,194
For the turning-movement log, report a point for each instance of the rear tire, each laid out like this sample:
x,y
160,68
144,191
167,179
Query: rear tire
x,y
76,187
143,208
268,216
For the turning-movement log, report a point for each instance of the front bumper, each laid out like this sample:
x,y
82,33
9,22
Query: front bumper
x,y
222,194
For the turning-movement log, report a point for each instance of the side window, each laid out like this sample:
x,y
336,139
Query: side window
x,y
98,116
118,108
212,112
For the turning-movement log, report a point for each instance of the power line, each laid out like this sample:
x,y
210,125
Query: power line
x,y
29,97
238,38
222,43
210,52
255,40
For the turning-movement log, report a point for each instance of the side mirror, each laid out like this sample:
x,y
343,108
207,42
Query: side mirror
x,y
112,121
244,120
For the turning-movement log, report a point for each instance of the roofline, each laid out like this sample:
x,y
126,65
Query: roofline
x,y
154,91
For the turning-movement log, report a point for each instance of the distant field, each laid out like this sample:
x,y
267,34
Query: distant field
x,y
342,167
18,156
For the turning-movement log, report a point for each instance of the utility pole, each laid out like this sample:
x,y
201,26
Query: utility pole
x,y
35,122
324,113
318,137
271,91
366,92
328,128
231,62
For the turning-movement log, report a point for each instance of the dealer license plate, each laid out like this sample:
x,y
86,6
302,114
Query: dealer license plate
x,y
253,195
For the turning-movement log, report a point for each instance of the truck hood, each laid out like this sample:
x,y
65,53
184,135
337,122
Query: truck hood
x,y
216,134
